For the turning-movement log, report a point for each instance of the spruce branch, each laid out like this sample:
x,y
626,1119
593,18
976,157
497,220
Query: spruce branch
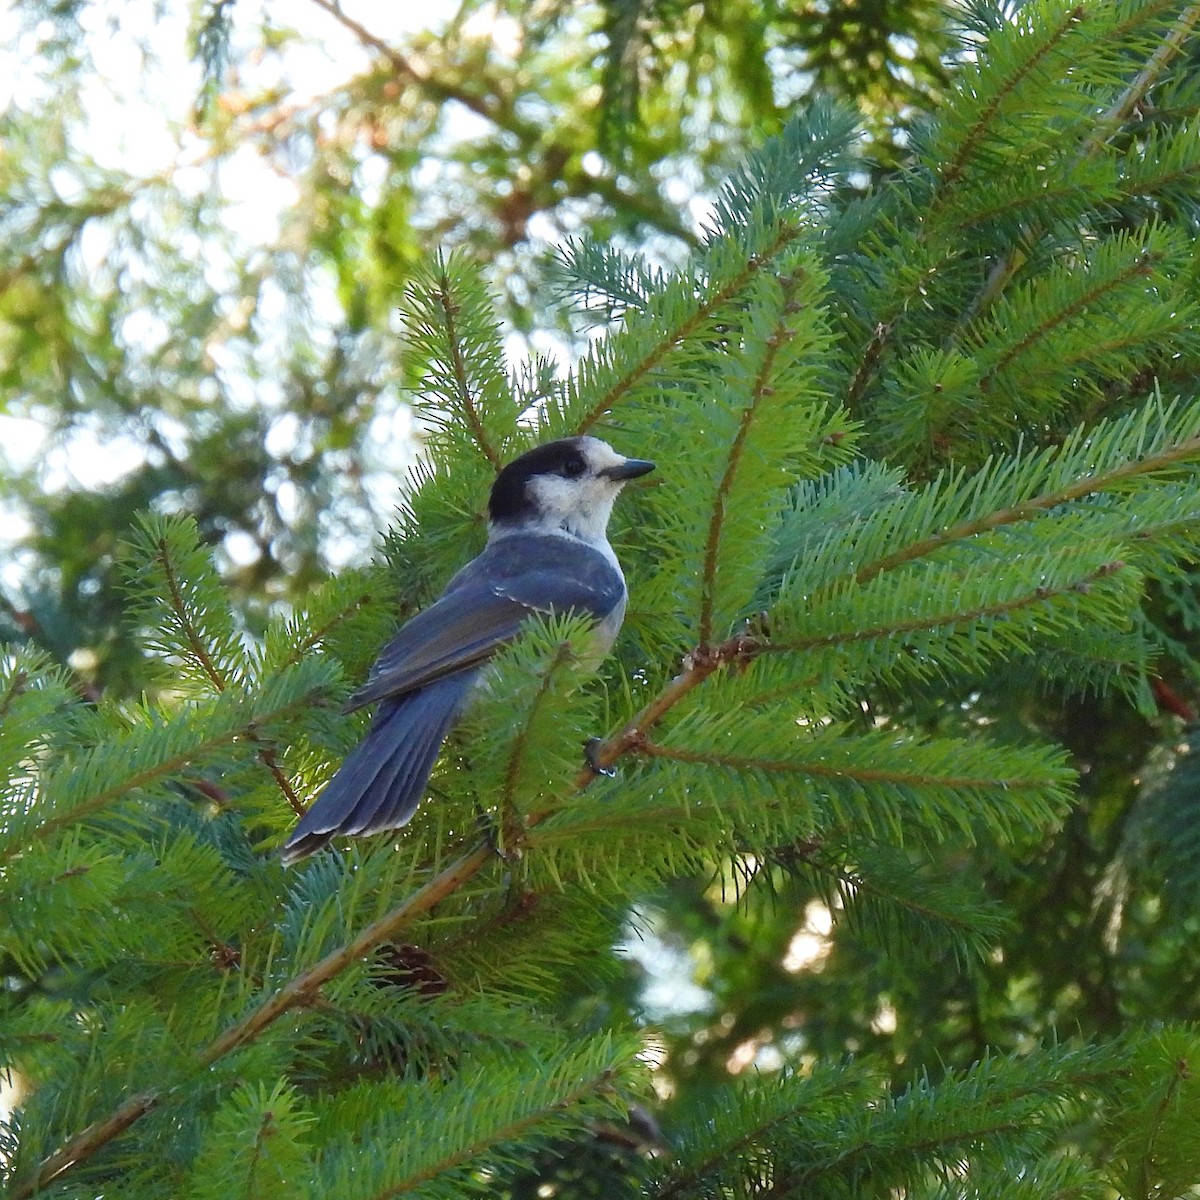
x,y
1129,100
1141,263
956,167
267,756
17,685
182,612
818,769
301,989
816,1091
697,667
458,365
86,1143
950,617
1006,267
869,359
160,766
296,993
760,389
179,605
563,654
519,1124
312,638
1158,1120
1084,486
969,927
951,175
989,1106
812,1134
786,234
953,1142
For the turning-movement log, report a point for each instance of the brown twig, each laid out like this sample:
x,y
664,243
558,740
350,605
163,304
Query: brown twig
x,y
404,66
761,390
87,1142
1085,486
503,116
458,363
266,751
785,236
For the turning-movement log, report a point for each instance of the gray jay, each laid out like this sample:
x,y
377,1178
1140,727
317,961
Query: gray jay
x,y
547,552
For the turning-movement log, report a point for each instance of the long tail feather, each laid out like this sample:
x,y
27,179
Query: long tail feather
x,y
382,780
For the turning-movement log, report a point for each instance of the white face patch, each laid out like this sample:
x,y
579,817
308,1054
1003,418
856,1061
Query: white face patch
x,y
580,506
600,455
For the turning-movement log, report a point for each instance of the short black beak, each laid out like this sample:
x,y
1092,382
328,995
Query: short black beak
x,y
631,468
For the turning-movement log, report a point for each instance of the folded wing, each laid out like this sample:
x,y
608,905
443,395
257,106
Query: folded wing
x,y
484,607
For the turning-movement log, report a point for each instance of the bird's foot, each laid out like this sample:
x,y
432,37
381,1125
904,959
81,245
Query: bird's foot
x,y
591,755
503,841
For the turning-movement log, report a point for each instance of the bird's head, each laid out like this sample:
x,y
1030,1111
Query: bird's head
x,y
568,485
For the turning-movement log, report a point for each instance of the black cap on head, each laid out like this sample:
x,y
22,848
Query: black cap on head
x,y
509,499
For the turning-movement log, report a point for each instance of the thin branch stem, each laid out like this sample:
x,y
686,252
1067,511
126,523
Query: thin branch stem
x,y
823,770
266,756
761,390
784,237
956,167
99,800
1146,78
458,364
179,607
1085,486
521,741
937,620
697,667
266,752
404,66
1140,264
87,1142
297,991
315,637
512,1130
502,115
869,360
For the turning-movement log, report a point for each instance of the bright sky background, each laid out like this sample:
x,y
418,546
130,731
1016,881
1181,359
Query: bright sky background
x,y
139,111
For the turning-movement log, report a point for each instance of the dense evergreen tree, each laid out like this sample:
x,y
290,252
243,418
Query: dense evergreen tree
x,y
899,716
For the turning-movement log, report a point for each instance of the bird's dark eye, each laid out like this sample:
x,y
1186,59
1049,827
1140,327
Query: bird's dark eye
x,y
574,467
